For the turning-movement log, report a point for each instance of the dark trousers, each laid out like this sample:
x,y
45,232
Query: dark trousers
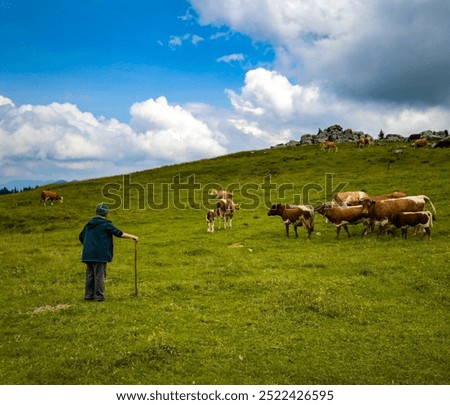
x,y
94,288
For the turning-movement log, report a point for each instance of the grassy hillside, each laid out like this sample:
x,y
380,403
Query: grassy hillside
x,y
245,305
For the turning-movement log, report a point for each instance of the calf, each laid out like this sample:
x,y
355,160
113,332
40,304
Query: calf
x,y
423,219
343,216
210,217
225,209
295,215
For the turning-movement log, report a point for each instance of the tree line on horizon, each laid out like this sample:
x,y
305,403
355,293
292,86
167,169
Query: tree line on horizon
x,y
5,190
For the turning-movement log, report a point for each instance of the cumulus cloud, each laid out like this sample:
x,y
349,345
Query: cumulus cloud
x,y
270,93
5,101
365,49
38,139
171,132
272,109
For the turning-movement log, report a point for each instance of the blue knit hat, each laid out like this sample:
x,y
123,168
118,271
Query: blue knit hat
x,y
102,209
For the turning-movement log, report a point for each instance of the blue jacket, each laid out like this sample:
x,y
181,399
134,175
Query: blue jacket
x,y
97,240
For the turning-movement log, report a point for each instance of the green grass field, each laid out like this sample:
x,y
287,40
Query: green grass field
x,y
245,305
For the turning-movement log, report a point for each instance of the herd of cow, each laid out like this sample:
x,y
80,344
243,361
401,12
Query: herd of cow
x,y
345,208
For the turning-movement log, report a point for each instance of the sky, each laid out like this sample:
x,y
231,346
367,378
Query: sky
x,y
92,88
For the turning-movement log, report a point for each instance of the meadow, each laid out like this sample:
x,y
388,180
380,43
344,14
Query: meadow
x,y
245,305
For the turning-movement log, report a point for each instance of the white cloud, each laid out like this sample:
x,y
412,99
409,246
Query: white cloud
x,y
196,39
5,101
270,93
171,132
273,110
365,49
234,57
61,138
176,41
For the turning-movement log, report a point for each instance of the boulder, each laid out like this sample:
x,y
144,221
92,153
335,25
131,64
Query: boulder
x,y
394,138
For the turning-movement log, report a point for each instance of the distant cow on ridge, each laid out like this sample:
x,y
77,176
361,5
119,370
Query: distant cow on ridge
x,y
329,145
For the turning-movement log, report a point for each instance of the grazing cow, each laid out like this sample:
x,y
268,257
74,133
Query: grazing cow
x,y
360,143
343,216
295,215
50,195
210,217
346,198
329,145
420,143
225,209
423,219
366,141
220,193
382,212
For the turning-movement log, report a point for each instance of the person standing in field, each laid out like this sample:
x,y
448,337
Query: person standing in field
x,y
97,240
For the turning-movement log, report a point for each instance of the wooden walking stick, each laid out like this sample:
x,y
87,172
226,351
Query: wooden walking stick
x,y
135,269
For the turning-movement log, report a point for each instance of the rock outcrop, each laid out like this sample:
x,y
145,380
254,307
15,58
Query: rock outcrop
x,y
337,134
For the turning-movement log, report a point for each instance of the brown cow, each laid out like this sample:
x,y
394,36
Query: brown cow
x,y
345,198
382,212
423,219
420,143
295,215
366,141
210,217
225,209
360,143
50,195
329,145
343,216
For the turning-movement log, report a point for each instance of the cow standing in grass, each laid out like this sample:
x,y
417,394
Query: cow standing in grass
x,y
210,219
295,215
350,198
329,145
225,209
420,143
383,211
50,195
422,219
343,216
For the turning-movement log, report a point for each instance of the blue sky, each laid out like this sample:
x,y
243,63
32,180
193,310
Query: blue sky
x,y
105,55
91,88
